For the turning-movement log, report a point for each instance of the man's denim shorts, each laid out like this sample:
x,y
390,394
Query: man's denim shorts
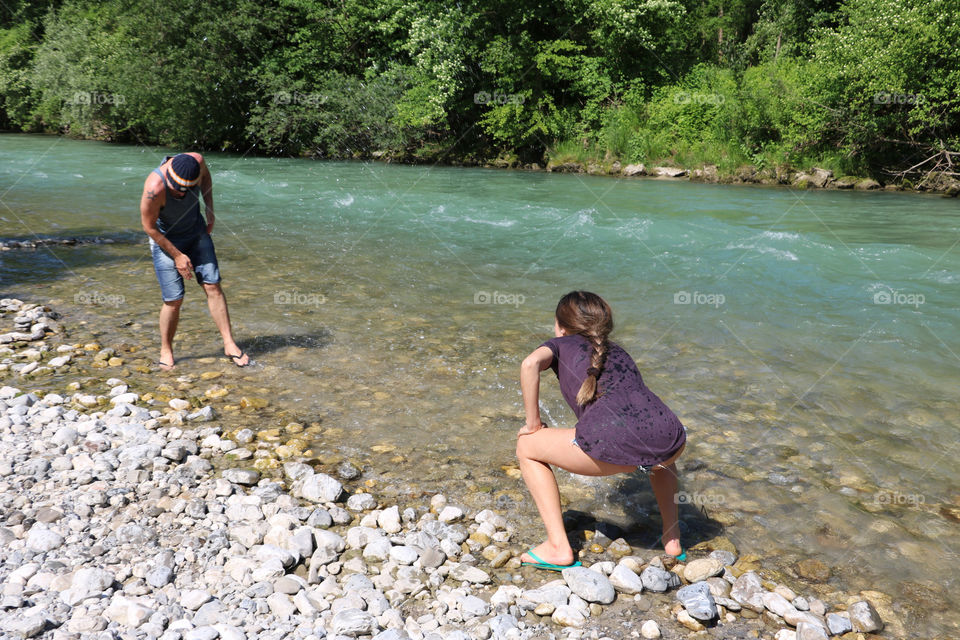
x,y
201,254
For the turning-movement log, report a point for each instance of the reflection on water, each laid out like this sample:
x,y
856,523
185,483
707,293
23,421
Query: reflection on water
x,y
391,306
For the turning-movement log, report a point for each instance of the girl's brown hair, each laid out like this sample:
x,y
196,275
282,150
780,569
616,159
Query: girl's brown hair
x,y
587,314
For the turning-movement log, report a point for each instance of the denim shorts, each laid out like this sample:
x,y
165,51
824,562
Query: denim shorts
x,y
201,254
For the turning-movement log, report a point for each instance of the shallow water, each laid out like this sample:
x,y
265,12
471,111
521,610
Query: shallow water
x,y
808,340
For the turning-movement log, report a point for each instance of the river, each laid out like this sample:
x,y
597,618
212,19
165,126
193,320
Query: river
x,y
809,340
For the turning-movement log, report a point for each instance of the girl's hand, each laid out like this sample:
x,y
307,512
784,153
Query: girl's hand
x,y
527,429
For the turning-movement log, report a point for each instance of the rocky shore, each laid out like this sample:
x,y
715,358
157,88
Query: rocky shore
x,y
814,178
126,516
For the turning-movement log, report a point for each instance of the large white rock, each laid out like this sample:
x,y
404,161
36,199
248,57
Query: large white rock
x,y
124,398
318,487
127,612
41,539
590,585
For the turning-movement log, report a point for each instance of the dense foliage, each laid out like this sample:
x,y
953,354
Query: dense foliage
x,y
864,85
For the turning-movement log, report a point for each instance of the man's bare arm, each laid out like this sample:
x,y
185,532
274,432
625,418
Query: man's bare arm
x,y
150,204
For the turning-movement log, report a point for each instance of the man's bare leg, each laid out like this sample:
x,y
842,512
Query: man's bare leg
x,y
169,318
217,303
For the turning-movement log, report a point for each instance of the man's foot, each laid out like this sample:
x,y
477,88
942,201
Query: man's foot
x,y
549,554
239,358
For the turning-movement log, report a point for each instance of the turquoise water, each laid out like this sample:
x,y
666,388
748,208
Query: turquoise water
x,y
808,340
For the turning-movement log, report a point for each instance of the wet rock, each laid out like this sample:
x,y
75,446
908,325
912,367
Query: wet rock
x,y
838,624
864,617
203,415
813,569
348,471
620,548
634,170
590,585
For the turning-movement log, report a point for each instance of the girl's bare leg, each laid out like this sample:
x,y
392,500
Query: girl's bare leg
x,y
535,453
664,481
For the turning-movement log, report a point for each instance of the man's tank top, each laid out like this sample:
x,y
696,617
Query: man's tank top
x,y
180,219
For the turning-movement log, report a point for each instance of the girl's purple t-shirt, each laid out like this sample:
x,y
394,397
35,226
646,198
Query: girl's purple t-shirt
x,y
628,424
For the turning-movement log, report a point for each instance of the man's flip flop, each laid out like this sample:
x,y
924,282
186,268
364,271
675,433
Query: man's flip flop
x,y
540,564
235,358
161,364
682,557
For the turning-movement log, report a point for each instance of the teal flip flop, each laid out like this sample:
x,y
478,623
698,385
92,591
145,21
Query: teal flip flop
x,y
540,564
682,557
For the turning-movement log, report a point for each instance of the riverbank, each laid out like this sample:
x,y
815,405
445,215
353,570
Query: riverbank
x,y
812,178
140,513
